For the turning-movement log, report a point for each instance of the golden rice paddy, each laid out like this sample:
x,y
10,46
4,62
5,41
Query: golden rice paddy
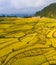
x,y
27,41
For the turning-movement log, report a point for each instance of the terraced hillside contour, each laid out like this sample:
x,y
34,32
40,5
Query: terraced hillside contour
x,y
27,41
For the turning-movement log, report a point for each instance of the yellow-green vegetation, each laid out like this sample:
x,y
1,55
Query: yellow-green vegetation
x,y
27,41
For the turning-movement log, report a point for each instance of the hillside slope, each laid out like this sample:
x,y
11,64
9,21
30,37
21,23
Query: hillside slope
x,y
49,11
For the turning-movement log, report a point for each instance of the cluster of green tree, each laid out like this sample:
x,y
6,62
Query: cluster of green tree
x,y
7,16
27,16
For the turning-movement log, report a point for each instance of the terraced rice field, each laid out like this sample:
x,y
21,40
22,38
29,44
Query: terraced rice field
x,y
27,41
